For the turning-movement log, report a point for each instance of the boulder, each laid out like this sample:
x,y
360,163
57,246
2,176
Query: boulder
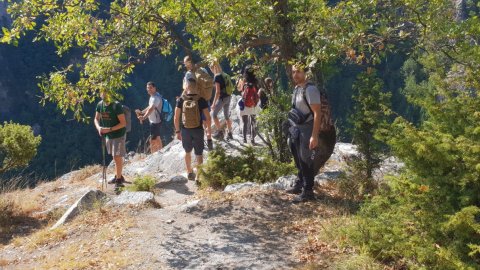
x,y
85,203
137,198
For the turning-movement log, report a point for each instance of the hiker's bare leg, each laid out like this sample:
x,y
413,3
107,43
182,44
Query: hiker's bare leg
x,y
217,123
188,162
207,125
199,160
229,125
118,166
155,144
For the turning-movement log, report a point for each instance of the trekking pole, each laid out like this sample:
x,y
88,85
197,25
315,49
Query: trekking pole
x,y
104,173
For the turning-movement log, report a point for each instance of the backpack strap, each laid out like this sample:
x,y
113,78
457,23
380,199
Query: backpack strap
x,y
156,108
304,96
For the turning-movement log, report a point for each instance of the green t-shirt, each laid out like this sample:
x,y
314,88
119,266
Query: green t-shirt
x,y
109,118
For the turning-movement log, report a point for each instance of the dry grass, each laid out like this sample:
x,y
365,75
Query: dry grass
x,y
4,263
93,240
85,173
41,238
98,242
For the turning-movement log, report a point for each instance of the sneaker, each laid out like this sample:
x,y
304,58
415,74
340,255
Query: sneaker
x,y
304,197
230,136
210,144
191,176
296,189
218,135
114,180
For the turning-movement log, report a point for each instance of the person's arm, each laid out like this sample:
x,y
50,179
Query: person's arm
x,y
97,123
208,119
147,112
122,123
240,85
176,122
316,108
217,95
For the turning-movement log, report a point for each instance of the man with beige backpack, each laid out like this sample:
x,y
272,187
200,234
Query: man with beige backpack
x,y
204,88
188,124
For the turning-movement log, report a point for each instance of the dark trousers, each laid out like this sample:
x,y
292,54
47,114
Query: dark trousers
x,y
308,170
306,173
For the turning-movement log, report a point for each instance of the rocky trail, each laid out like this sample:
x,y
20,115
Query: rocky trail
x,y
246,226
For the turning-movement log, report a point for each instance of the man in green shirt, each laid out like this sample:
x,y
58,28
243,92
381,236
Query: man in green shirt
x,y
110,123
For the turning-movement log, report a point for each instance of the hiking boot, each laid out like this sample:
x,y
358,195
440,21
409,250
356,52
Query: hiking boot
x,y
253,142
210,144
245,140
218,135
191,176
306,195
296,189
230,136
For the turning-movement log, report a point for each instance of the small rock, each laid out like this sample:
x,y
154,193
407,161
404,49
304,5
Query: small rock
x,y
133,198
170,221
178,178
327,176
190,206
239,186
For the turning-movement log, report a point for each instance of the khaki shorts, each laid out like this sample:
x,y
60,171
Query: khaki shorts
x,y
116,147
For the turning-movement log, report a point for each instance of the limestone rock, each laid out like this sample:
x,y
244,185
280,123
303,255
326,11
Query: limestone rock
x,y
133,198
86,202
239,186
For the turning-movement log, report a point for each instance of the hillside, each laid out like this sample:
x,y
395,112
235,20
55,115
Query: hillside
x,y
246,227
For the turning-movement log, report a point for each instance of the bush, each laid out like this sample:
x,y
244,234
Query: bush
x,y
221,169
354,184
270,122
142,183
18,145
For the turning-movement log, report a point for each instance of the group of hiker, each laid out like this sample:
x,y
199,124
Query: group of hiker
x,y
310,128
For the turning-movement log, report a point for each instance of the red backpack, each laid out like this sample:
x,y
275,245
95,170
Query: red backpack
x,y
250,95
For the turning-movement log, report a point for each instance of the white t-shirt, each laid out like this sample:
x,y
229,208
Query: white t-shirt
x,y
156,101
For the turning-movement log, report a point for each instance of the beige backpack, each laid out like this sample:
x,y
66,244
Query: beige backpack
x,y
204,83
191,111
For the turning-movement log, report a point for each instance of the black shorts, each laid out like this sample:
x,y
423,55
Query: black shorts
x,y
155,130
192,139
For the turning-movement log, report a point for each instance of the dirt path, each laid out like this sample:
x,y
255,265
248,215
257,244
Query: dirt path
x,y
245,231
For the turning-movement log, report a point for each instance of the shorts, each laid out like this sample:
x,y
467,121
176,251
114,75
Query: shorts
x,y
250,111
155,130
116,147
192,139
225,104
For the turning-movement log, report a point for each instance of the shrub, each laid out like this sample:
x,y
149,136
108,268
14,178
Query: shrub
x,y
142,183
221,169
18,145
270,123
